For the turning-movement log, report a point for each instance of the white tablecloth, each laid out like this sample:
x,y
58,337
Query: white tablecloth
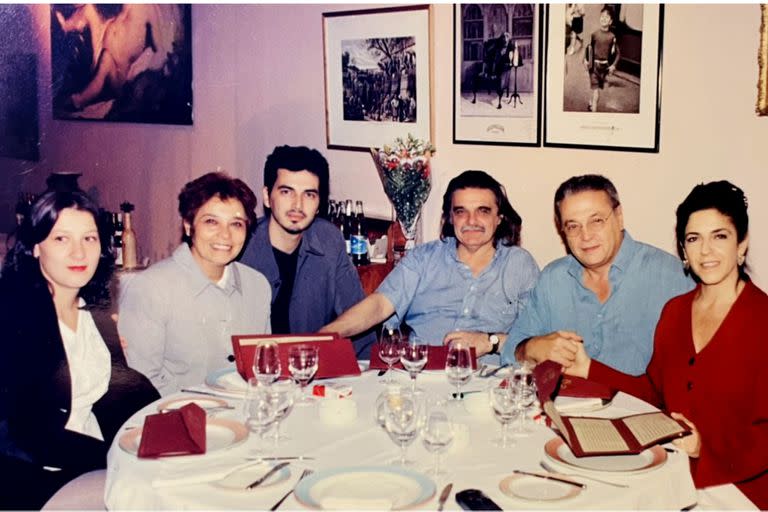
x,y
479,465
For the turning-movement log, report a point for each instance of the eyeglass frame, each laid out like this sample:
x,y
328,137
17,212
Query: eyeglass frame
x,y
595,224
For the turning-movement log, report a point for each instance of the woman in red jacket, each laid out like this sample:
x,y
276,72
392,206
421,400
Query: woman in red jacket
x,y
707,367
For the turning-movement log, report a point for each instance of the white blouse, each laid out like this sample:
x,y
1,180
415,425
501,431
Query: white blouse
x,y
90,369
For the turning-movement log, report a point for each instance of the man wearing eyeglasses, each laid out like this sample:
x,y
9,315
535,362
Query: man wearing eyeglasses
x,y
607,292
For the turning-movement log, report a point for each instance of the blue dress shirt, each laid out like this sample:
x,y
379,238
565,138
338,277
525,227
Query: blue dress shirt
x,y
618,333
435,293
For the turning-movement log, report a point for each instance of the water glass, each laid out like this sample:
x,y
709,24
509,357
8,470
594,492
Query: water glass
x,y
401,421
390,393
414,355
260,411
503,399
437,436
266,362
458,366
302,363
283,395
389,349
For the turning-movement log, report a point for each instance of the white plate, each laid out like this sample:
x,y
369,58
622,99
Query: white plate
x,y
537,489
239,480
205,402
227,380
366,487
647,460
220,435
571,405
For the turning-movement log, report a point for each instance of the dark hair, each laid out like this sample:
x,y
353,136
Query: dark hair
x,y
609,10
723,196
214,184
20,262
296,159
508,230
584,183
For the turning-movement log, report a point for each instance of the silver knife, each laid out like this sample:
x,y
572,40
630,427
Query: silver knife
x,y
550,477
269,473
444,497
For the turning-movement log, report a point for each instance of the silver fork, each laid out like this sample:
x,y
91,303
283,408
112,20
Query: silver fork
x,y
304,474
606,482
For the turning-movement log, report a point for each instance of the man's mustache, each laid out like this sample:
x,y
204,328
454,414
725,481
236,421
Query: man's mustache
x,y
465,229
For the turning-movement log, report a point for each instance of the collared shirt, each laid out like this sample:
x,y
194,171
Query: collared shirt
x,y
435,293
619,332
326,282
178,323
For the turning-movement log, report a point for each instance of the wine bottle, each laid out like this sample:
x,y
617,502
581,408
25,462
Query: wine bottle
x,y
129,243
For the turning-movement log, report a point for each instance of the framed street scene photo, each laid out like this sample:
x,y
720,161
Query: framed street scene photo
x,y
496,74
377,76
603,76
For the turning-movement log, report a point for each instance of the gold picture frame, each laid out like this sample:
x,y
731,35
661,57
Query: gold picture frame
x,y
762,60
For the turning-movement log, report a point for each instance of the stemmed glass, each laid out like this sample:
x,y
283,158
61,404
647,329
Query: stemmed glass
x,y
401,421
260,411
414,355
391,392
389,350
503,398
283,395
437,435
458,366
302,363
266,362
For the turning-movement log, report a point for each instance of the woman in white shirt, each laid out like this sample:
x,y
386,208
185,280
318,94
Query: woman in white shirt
x,y
63,393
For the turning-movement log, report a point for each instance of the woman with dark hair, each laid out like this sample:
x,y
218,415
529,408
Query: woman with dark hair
x,y
707,365
63,394
177,317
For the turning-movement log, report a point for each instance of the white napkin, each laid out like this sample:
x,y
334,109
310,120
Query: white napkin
x,y
340,503
198,473
574,404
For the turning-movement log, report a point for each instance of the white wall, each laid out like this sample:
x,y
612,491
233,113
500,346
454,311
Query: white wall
x,y
258,82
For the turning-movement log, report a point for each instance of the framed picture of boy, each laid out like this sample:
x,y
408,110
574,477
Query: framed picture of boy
x,y
603,76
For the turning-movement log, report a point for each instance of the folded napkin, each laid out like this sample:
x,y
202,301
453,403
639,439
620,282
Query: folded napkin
x,y
573,404
189,474
435,359
177,432
340,503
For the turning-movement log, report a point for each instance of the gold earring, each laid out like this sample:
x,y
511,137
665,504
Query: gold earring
x,y
686,265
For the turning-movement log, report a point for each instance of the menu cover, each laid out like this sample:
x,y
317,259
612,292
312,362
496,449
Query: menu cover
x,y
551,382
336,356
177,432
436,357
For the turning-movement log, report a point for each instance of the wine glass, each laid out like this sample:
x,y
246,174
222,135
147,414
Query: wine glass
x,y
260,411
401,421
283,395
302,363
437,435
266,362
391,392
503,397
389,349
414,355
458,366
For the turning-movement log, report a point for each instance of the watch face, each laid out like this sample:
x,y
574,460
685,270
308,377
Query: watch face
x,y
494,339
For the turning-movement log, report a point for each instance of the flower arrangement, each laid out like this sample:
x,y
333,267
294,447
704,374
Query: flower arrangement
x,y
405,173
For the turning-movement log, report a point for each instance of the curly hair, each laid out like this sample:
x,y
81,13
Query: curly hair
x,y
20,263
508,231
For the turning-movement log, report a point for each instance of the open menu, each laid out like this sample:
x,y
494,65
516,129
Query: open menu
x,y
590,436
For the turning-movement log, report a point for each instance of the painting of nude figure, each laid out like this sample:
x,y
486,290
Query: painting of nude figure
x,y
122,62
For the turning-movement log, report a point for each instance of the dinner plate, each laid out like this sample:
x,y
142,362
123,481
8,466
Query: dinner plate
x,y
220,434
647,460
227,380
205,402
531,488
238,481
365,487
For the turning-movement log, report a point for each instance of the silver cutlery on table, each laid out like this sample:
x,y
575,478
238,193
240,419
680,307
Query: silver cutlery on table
x,y
208,393
268,474
304,474
600,480
284,457
209,410
550,477
444,497
491,373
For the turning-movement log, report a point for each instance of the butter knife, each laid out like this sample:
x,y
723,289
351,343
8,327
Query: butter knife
x,y
550,477
269,473
444,497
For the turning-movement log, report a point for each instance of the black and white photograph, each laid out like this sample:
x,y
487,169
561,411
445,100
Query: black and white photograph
x,y
603,76
497,72
376,76
122,62
379,77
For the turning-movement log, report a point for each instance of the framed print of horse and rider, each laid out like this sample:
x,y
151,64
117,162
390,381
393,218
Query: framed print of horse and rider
x,y
122,62
377,76
603,76
497,70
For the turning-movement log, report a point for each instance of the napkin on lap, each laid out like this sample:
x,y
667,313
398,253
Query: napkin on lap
x,y
340,503
178,432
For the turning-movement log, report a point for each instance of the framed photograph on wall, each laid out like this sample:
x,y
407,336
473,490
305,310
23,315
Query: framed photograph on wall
x,y
122,62
497,74
603,76
377,76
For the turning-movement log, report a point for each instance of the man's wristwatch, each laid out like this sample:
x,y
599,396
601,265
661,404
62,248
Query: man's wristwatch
x,y
494,339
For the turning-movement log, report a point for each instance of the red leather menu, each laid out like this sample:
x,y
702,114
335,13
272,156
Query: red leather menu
x,y
178,432
336,356
551,382
435,359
